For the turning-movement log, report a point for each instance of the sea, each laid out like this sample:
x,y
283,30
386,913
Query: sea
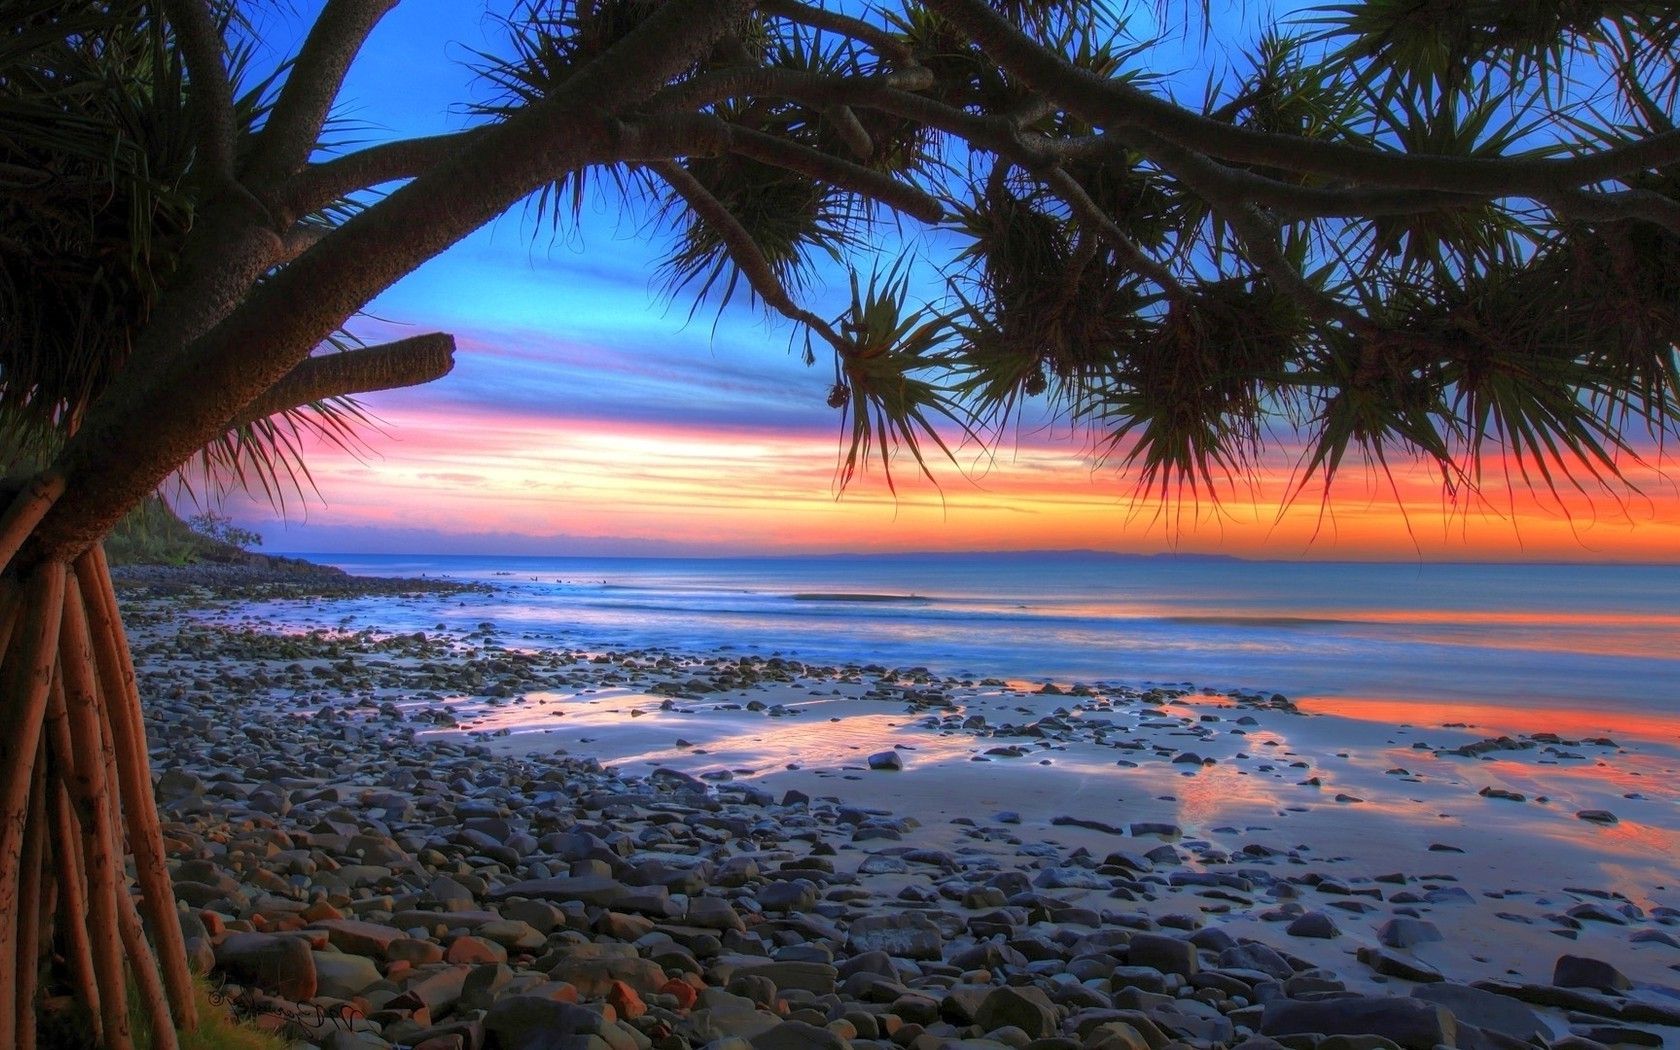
x,y
1536,641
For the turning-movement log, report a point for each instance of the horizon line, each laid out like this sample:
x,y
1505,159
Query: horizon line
x,y
989,553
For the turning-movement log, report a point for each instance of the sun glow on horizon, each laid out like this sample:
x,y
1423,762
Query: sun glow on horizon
x,y
475,479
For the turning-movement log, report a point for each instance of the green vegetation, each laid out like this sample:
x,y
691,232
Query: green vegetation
x,y
218,1028
153,534
1397,229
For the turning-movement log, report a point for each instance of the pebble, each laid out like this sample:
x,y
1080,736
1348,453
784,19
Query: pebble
x,y
456,899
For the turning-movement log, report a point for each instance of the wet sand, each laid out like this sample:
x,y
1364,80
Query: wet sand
x,y
1521,839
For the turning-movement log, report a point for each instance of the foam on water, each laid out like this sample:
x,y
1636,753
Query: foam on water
x,y
1525,638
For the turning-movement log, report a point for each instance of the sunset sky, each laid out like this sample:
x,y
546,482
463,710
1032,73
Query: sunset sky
x,y
587,414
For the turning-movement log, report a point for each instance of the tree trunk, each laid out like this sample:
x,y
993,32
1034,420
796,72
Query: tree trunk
x,y
77,815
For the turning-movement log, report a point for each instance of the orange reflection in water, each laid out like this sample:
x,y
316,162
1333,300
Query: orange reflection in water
x,y
1496,719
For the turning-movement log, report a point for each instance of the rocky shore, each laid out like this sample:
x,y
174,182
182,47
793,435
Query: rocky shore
x,y
358,872
257,577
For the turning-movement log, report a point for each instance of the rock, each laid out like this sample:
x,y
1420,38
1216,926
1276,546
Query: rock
x,y
1115,1035
1315,925
341,976
600,890
906,935
1484,1009
886,760
482,985
1598,816
1403,966
282,965
529,1022
625,1000
1412,1023
814,977
797,1035
1404,931
1026,1008
788,895
360,938
1578,971
1260,957
712,913
1167,954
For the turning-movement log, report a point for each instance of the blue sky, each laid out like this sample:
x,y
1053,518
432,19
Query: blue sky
x,y
566,335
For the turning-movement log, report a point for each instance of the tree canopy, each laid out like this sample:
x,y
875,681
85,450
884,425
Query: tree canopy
x,y
1395,228
1390,229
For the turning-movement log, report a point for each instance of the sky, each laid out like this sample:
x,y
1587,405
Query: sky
x,y
588,413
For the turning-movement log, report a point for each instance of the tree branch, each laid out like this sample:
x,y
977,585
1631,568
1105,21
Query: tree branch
x,y
1287,200
887,43
1637,205
212,94
388,366
743,250
816,164
294,127
1110,103
1068,188
130,443
694,135
318,185
718,85
1259,235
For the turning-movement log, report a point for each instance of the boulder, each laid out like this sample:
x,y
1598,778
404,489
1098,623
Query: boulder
x,y
1403,931
1579,971
1026,1008
908,936
1484,1009
282,965
1412,1023
1167,954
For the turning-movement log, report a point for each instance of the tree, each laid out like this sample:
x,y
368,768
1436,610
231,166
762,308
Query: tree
x,y
1444,230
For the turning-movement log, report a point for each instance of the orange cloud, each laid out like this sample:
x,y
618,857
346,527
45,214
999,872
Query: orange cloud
x,y
471,472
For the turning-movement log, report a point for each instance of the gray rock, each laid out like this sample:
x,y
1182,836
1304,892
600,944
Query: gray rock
x,y
814,977
276,963
797,1035
1412,1023
1315,925
886,760
1026,1008
908,936
1579,971
1167,954
1406,967
1403,931
529,1022
788,895
341,976
1484,1009
599,890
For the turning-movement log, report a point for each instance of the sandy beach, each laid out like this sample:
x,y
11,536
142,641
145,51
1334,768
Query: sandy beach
x,y
1375,850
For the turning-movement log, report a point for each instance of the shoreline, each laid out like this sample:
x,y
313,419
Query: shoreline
x,y
1251,848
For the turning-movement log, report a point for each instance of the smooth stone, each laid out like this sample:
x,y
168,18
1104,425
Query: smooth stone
x,y
1484,1009
341,976
907,935
1404,931
277,963
1167,954
1314,925
1579,971
797,1035
1413,1024
1025,1007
